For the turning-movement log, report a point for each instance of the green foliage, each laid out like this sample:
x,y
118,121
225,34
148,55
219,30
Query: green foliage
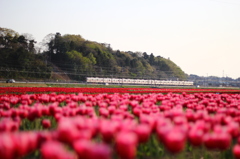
x,y
78,58
18,58
92,58
169,68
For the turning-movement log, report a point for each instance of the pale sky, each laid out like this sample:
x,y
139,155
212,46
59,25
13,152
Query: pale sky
x,y
201,36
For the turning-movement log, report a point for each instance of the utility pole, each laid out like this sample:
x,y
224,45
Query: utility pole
x,y
207,80
223,78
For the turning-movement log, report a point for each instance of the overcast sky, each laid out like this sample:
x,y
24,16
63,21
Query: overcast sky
x,y
201,36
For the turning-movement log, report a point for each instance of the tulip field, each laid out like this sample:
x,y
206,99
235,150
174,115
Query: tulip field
x,y
119,123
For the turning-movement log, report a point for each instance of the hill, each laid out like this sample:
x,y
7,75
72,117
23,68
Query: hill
x,y
77,58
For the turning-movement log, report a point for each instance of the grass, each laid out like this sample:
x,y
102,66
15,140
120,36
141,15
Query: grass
x,y
23,85
79,85
69,85
97,86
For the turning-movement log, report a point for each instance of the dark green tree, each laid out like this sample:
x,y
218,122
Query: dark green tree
x,y
151,59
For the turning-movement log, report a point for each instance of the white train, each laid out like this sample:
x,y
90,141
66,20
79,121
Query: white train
x,y
137,81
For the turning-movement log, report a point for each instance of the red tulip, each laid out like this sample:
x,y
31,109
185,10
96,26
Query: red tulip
x,y
103,112
163,129
196,137
137,111
24,143
224,140
210,141
236,151
111,109
23,113
126,143
83,148
67,132
100,151
42,137
143,132
175,141
46,123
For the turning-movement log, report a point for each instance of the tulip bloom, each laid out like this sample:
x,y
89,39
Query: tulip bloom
x,y
126,143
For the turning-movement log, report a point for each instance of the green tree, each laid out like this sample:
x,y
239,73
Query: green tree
x,y
18,58
151,59
145,56
92,58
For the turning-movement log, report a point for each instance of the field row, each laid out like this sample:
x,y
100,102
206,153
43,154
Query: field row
x,y
24,90
119,125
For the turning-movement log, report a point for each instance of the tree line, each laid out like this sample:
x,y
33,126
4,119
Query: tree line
x,y
18,57
77,58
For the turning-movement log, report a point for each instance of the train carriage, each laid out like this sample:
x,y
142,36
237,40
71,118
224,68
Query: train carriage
x,y
138,81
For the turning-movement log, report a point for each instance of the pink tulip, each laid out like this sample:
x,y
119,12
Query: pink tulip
x,y
7,146
66,131
108,130
55,150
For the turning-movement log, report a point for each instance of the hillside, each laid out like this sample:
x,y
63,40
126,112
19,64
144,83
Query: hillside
x,y
77,58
